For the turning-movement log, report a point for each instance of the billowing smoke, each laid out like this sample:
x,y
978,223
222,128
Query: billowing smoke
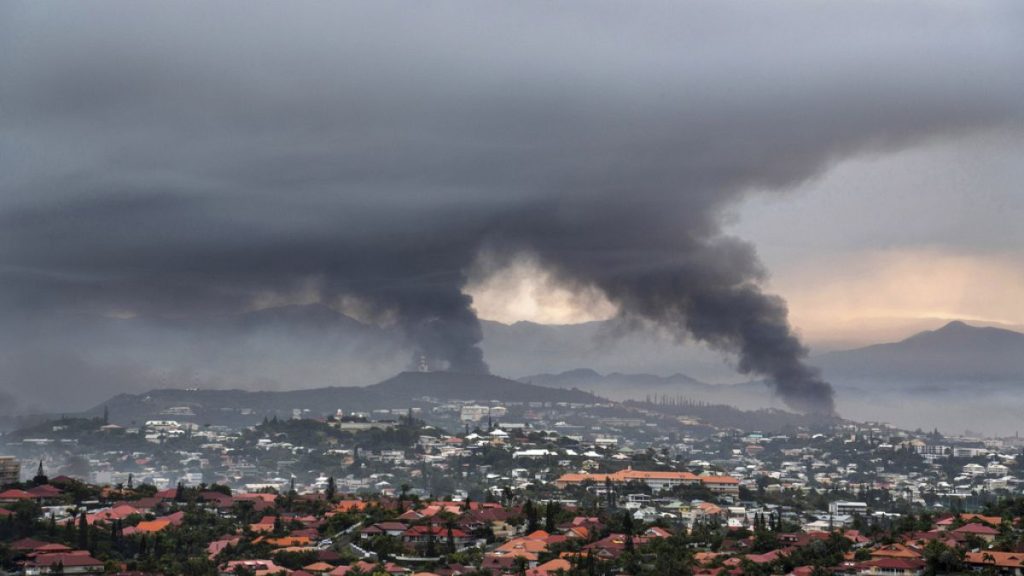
x,y
672,268
182,161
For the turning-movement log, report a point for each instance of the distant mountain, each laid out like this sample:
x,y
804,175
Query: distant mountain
x,y
481,387
242,407
618,386
233,407
74,360
957,352
524,348
403,390
621,387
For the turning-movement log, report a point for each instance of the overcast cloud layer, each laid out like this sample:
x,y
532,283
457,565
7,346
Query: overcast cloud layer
x,y
194,160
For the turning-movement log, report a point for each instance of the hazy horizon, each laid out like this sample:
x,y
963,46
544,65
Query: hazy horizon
x,y
736,186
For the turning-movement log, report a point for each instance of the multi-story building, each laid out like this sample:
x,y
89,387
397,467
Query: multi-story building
x,y
721,484
657,481
845,508
476,413
10,470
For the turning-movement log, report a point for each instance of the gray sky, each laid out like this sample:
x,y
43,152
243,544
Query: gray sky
x,y
883,246
191,160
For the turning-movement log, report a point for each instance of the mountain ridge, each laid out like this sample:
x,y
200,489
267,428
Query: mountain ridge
x,y
641,386
953,353
236,406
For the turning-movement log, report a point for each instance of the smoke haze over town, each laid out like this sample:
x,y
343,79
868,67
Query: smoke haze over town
x,y
528,288
188,192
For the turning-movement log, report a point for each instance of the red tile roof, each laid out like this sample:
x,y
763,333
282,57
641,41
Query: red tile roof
x,y
976,528
15,494
77,559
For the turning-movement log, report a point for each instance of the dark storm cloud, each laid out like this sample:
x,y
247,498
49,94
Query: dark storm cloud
x,y
181,160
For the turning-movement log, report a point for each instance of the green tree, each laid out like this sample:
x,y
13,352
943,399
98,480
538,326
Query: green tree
x,y
530,511
941,559
431,551
83,532
550,514
332,489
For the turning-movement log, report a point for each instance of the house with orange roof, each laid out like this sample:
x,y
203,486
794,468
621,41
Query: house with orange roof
x,y
857,538
710,509
26,545
499,565
697,512
218,546
480,518
295,549
14,495
550,568
592,522
318,568
118,512
149,526
891,567
424,533
289,541
768,557
258,500
655,480
261,496
613,545
655,532
529,547
216,500
430,511
411,516
968,518
895,551
350,506
977,529
75,562
581,532
721,484
1012,562
145,505
157,525
51,548
266,524
704,558
360,566
45,492
395,529
994,521
168,494
367,568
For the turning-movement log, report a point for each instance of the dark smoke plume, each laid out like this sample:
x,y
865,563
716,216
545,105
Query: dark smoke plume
x,y
183,161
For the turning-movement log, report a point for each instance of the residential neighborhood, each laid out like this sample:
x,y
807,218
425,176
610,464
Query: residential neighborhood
x,y
558,490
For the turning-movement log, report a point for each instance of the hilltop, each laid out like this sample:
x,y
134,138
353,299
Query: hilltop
x,y
957,352
243,406
480,387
